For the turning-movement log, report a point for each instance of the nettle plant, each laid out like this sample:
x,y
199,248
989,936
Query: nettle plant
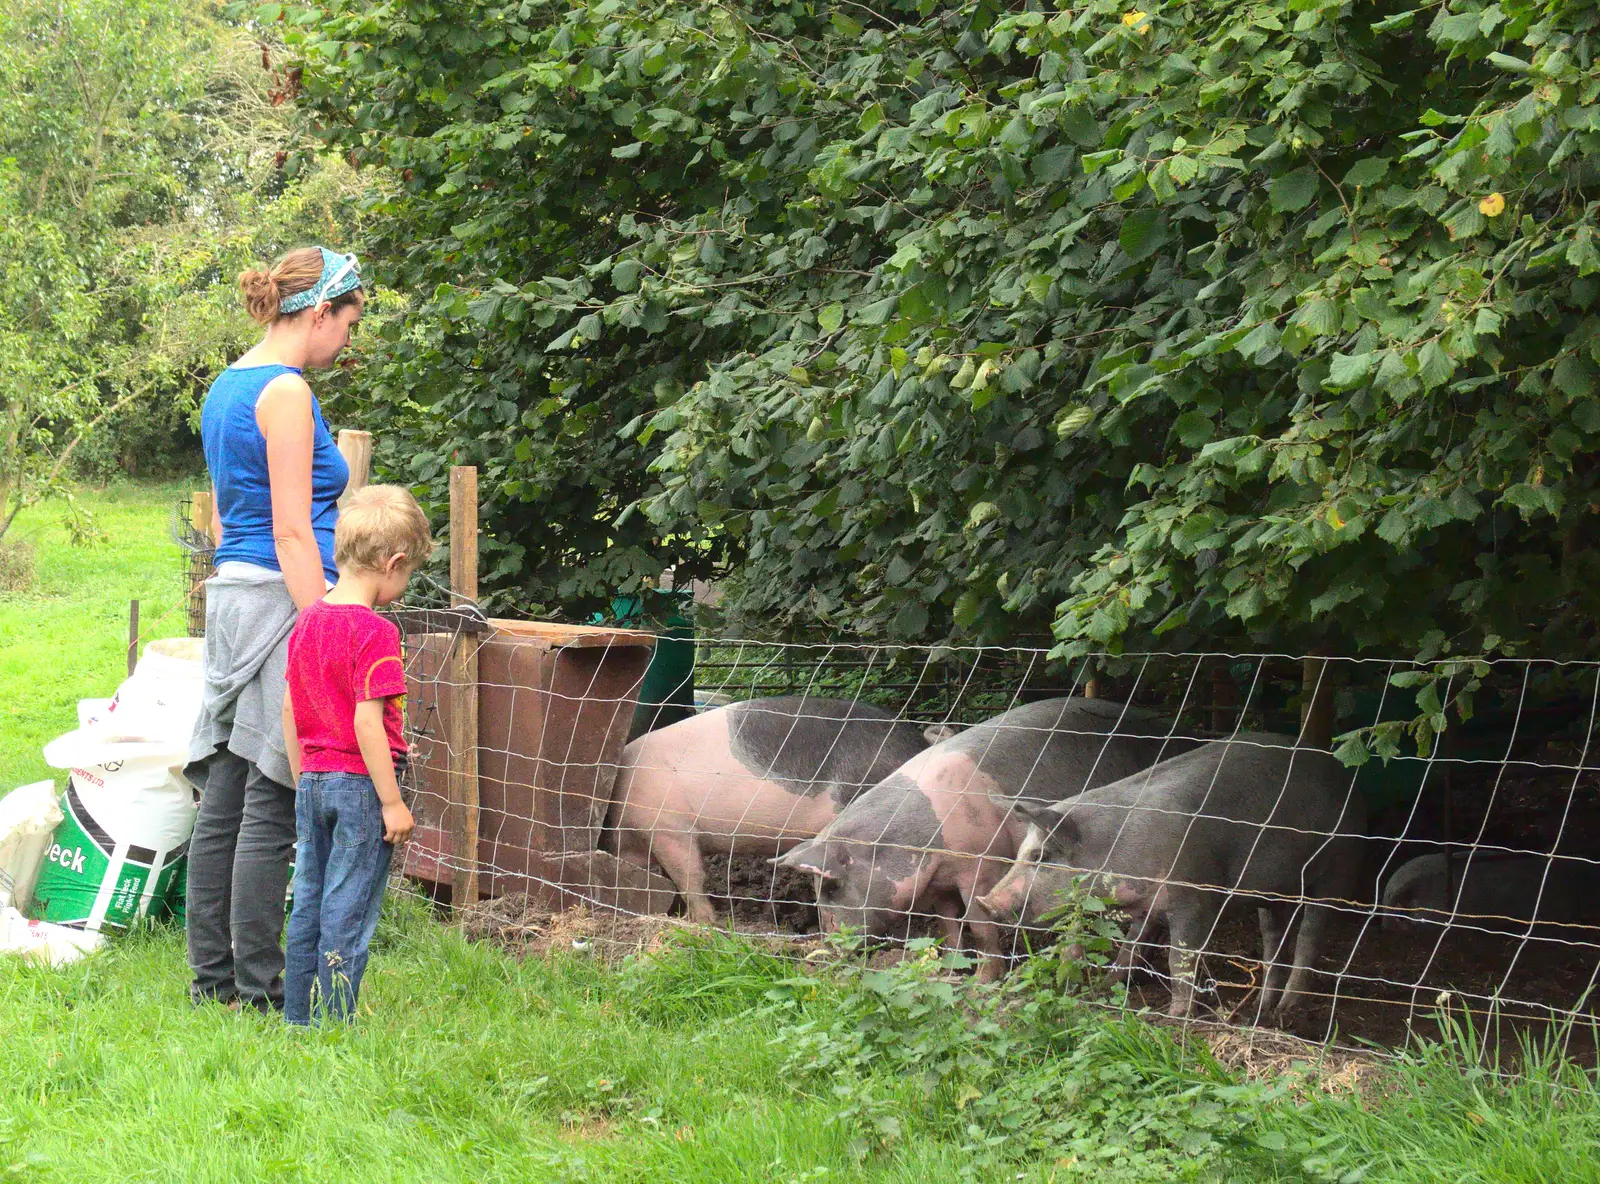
x,y
1017,1071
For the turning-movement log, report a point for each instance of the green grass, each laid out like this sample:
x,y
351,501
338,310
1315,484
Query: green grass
x,y
67,638
467,1066
1444,1118
708,1063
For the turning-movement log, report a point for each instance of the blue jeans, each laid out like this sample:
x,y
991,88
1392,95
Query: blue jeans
x,y
341,864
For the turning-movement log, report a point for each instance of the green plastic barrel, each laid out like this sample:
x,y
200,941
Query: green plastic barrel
x,y
1398,781
666,694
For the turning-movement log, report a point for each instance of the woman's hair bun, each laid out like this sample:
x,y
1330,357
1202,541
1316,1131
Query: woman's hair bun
x,y
260,295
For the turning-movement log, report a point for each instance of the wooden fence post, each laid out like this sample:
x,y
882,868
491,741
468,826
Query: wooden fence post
x,y
201,509
463,689
1316,702
200,513
356,448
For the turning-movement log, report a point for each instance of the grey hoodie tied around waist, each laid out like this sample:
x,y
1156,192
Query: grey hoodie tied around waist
x,y
249,614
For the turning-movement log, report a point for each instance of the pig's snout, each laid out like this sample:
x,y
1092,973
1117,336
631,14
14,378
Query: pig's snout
x,y
1403,924
1000,904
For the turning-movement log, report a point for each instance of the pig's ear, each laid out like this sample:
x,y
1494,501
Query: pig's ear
x,y
934,733
1035,811
807,857
1061,833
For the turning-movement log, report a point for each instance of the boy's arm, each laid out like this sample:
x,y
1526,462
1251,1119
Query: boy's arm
x,y
291,738
374,742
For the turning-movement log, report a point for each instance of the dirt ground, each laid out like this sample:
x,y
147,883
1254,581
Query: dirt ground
x,y
761,894
525,928
1394,983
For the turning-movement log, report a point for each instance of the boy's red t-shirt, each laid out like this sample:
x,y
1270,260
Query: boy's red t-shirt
x,y
340,655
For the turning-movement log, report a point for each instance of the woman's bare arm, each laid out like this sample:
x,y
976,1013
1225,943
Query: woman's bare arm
x,y
284,415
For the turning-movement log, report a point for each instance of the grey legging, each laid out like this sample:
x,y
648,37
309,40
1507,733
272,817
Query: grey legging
x,y
238,876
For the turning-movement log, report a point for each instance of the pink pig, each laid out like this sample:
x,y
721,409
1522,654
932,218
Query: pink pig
x,y
753,778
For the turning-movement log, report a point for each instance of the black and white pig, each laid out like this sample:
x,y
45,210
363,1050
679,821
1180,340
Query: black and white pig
x,y
941,830
752,778
1252,815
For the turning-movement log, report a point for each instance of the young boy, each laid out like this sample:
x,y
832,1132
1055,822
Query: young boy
x,y
342,721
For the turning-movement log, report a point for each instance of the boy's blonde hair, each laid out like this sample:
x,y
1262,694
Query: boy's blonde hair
x,y
377,523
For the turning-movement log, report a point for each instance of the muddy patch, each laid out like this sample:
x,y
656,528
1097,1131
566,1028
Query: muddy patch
x,y
526,928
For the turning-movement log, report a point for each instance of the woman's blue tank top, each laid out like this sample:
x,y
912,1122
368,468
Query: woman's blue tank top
x,y
236,455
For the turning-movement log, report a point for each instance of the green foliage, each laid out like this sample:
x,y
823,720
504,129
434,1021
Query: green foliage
x,y
697,976
16,566
73,162
979,318
1015,1072
139,174
510,361
1086,931
1447,1112
149,438
1021,1076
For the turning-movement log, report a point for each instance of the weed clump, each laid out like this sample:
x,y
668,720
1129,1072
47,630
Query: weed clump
x,y
698,975
1029,1070
17,569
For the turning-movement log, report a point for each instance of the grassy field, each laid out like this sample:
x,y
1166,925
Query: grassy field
x,y
702,1063
706,1061
469,1067
67,638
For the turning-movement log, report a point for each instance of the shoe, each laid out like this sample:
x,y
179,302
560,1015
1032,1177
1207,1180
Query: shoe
x,y
227,998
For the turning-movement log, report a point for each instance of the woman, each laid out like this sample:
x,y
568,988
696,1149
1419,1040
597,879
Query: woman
x,y
277,477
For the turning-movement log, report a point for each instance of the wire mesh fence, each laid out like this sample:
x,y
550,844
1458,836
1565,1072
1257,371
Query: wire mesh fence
x,y
969,794
199,551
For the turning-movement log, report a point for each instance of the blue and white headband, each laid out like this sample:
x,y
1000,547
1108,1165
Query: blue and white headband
x,y
340,274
